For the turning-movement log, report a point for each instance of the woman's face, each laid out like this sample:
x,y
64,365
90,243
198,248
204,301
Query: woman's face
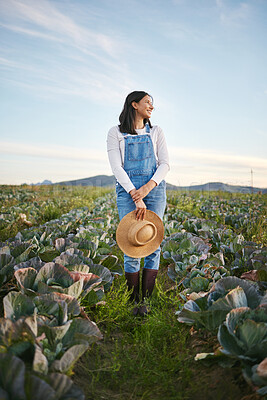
x,y
144,107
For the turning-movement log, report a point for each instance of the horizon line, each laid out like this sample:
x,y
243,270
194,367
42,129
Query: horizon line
x,y
109,176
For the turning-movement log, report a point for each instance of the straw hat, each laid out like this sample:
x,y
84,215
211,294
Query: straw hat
x,y
139,238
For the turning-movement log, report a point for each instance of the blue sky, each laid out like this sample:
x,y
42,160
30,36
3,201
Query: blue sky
x,y
67,66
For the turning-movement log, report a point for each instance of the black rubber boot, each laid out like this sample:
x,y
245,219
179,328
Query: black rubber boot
x,y
148,283
133,279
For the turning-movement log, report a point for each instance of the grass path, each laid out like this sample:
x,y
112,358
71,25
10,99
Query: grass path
x,y
152,358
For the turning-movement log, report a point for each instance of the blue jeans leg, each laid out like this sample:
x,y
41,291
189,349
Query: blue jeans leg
x,y
131,264
156,199
152,261
125,202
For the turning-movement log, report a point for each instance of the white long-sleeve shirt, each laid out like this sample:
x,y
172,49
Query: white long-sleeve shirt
x,y
115,148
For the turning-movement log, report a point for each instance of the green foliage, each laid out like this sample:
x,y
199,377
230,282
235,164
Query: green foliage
x,y
257,375
244,334
40,204
16,383
211,310
17,305
53,277
69,257
47,338
137,358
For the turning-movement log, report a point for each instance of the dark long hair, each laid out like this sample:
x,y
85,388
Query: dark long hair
x,y
127,116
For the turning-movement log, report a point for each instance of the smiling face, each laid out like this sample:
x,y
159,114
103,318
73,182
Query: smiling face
x,y
144,107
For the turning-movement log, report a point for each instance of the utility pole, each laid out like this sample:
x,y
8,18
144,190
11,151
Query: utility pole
x,y
251,174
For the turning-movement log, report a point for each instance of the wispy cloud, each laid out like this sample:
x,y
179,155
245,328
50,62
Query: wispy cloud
x,y
31,32
188,165
211,158
25,162
72,80
17,170
51,151
182,156
178,31
91,66
10,65
192,165
44,15
233,13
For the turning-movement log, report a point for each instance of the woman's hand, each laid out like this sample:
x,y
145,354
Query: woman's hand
x,y
140,211
143,191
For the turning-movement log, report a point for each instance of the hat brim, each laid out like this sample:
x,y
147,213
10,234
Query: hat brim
x,y
138,251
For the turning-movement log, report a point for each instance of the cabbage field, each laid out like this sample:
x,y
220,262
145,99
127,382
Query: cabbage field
x,y
66,327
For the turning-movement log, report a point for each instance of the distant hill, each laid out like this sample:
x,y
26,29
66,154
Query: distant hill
x,y
99,180
105,181
224,187
45,182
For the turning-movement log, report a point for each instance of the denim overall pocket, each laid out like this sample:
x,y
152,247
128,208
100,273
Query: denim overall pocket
x,y
139,150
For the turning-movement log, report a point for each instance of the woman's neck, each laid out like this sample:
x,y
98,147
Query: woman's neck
x,y
138,123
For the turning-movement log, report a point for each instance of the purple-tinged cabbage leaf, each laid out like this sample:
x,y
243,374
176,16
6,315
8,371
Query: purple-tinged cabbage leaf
x,y
210,311
82,330
16,383
6,265
244,334
51,304
230,282
54,277
12,373
18,338
64,387
69,358
17,305
258,376
34,262
40,362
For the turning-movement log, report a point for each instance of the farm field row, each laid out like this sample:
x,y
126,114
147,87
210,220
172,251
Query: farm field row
x,y
26,206
59,277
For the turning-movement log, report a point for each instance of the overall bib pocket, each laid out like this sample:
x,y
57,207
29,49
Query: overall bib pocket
x,y
136,150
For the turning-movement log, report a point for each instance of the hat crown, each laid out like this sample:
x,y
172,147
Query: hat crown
x,y
141,233
135,238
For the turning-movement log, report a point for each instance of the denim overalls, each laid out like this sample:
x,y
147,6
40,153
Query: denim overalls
x,y
140,165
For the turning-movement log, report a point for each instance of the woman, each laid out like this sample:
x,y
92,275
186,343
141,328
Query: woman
x,y
139,161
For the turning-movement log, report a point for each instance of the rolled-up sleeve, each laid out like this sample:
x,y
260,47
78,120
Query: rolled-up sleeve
x,y
163,158
115,160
